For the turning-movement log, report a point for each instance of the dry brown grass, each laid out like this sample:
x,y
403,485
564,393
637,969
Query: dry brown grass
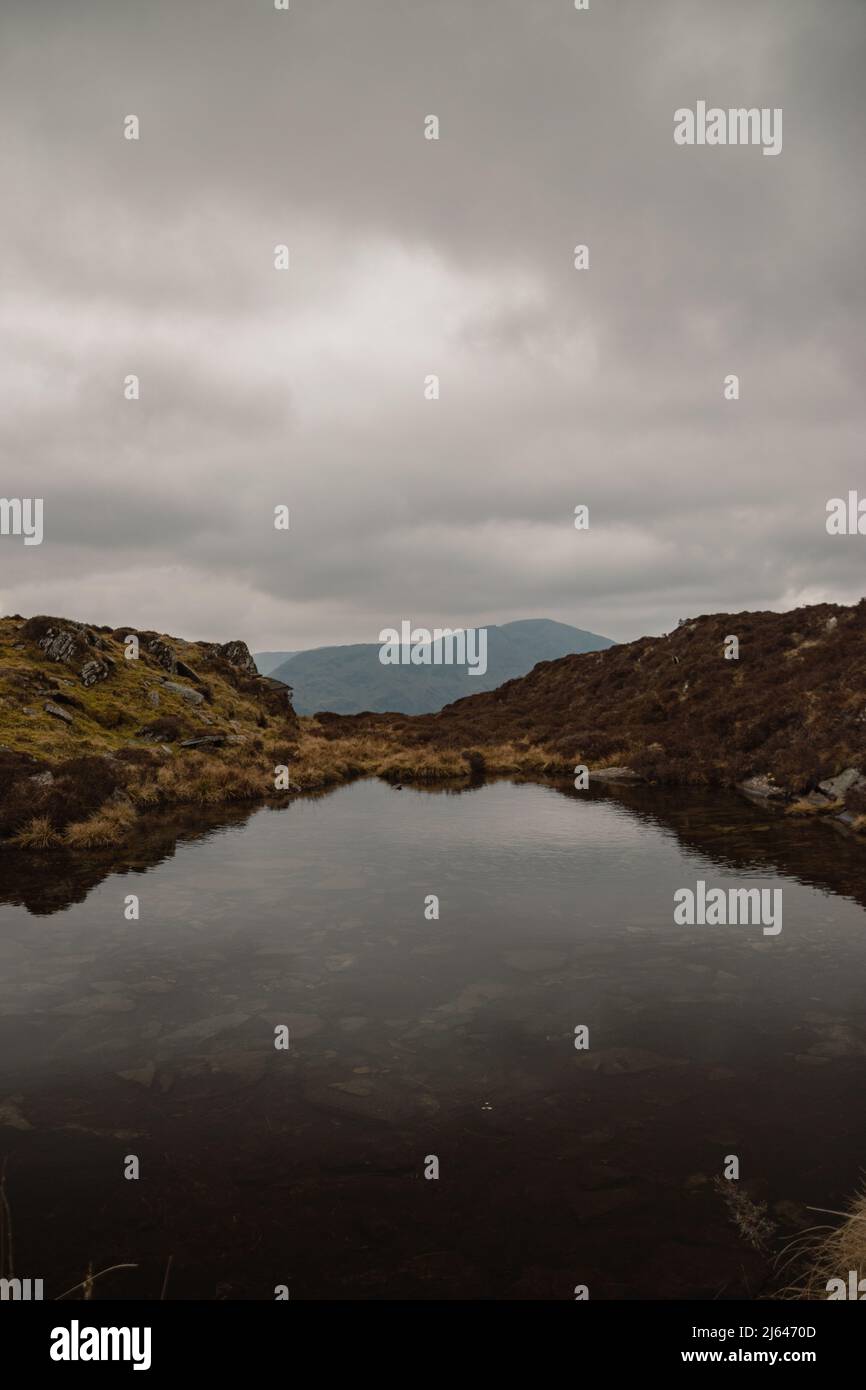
x,y
38,833
802,807
829,1252
421,765
109,826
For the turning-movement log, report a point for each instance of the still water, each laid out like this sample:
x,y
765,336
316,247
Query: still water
x,y
412,1038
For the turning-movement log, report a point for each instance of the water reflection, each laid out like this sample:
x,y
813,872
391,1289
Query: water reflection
x,y
411,1037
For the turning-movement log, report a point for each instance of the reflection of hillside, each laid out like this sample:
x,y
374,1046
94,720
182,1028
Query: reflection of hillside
x,y
52,881
713,824
718,824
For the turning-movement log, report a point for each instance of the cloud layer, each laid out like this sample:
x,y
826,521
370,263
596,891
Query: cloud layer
x,y
411,257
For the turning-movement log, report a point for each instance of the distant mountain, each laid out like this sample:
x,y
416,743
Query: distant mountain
x,y
351,679
266,662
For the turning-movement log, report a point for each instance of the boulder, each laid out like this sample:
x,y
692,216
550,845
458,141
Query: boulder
x,y
238,654
614,774
194,697
159,651
58,711
235,654
836,787
57,639
761,786
94,671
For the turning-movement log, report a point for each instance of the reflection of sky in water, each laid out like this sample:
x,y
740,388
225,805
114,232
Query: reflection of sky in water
x,y
321,907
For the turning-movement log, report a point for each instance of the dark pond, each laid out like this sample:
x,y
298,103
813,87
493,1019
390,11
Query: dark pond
x,y
412,1037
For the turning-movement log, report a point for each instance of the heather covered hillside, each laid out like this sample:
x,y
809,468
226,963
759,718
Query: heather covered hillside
x,y
91,736
91,740
791,706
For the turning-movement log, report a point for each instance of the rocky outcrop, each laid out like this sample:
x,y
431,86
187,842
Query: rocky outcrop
x,y
186,692
238,654
94,671
58,639
159,651
235,654
73,644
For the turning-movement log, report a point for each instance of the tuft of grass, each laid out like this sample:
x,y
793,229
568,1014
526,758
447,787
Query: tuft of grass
x,y
749,1217
803,807
38,833
829,1252
109,826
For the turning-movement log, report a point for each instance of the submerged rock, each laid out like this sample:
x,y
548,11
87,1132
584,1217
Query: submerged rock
x,y
532,961
140,1076
12,1115
617,1061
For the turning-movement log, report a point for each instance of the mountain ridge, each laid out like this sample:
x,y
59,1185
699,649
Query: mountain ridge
x,y
350,678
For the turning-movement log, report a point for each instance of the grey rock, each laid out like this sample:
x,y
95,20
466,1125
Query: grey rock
x,y
534,961
351,1088
761,786
164,655
12,1115
186,692
94,671
618,1061
244,1064
238,654
205,1028
299,1025
63,643
58,712
140,1076
353,1024
97,1004
42,779
214,740
836,787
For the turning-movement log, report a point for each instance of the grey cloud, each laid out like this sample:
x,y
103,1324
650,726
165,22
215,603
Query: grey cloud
x,y
411,257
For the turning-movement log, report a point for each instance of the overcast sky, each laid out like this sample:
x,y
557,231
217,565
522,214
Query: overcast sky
x,y
410,257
